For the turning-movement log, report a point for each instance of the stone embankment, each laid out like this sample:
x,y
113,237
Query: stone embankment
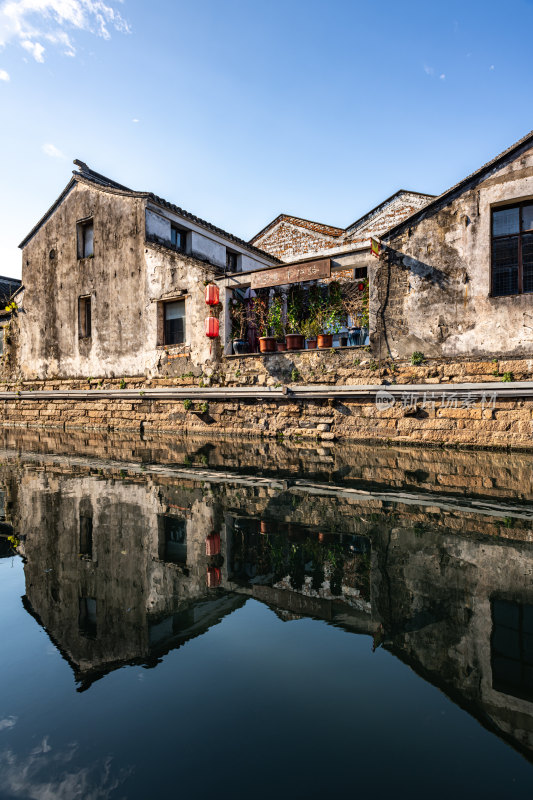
x,y
459,403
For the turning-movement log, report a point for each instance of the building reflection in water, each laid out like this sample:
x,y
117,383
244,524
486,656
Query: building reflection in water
x,y
121,569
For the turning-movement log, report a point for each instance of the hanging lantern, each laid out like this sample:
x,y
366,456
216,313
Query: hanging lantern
x,y
360,286
211,327
213,577
212,544
211,295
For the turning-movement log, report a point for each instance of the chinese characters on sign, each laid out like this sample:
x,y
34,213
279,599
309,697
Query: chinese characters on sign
x,y
434,400
295,273
375,247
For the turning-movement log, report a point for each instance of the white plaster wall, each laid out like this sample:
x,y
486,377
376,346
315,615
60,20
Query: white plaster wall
x,y
156,225
208,248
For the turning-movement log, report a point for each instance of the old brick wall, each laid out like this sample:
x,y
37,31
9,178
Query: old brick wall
x,y
508,423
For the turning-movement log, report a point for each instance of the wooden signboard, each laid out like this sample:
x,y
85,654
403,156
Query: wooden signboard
x,y
293,273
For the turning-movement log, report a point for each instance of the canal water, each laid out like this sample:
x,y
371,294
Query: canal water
x,y
187,620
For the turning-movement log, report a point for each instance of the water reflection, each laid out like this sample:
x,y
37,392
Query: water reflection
x,y
121,567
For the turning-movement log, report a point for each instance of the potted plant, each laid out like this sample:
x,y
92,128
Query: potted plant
x,y
238,327
275,321
310,329
294,337
267,344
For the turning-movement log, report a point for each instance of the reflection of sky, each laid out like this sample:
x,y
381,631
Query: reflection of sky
x,y
48,774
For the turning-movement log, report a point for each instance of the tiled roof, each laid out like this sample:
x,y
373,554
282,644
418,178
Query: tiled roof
x,y
318,227
88,174
450,194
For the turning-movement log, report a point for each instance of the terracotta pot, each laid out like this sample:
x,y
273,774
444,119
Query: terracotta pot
x,y
325,340
295,341
264,527
267,344
311,344
281,346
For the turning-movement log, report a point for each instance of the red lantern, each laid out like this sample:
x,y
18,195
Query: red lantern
x,y
213,577
212,544
360,286
211,295
211,327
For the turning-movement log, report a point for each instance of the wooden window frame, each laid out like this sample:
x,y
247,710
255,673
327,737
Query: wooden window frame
x,y
84,329
81,229
161,321
520,233
181,231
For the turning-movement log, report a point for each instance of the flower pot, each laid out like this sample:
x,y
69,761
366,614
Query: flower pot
x,y
240,346
311,344
295,341
267,344
281,346
354,335
343,341
325,340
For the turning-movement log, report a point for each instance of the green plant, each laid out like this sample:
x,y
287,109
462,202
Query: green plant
x,y
417,358
89,379
310,328
295,375
373,365
204,408
260,311
494,360
12,306
496,373
203,459
122,384
239,319
507,377
238,373
275,317
187,404
187,461
142,393
356,362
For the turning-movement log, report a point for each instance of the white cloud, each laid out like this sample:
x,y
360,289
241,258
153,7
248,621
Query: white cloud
x,y
4,76
35,48
442,76
29,23
491,66
135,120
52,151
428,70
8,722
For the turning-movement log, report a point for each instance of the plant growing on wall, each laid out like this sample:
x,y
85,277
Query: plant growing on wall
x,y
294,310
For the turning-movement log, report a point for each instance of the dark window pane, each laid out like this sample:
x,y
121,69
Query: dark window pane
x,y
505,222
175,322
177,238
505,613
527,218
527,262
505,266
87,617
175,540
86,535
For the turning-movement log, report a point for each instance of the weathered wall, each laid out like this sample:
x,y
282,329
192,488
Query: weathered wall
x,y
508,424
432,290
125,278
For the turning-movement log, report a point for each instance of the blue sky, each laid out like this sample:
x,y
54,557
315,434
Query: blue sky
x,y
238,110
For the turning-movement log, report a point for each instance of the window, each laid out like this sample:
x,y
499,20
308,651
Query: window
x,y
86,535
178,238
84,317
174,315
231,261
512,249
174,544
512,649
87,617
85,239
360,272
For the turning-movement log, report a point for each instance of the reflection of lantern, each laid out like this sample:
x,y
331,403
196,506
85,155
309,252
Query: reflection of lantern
x,y
211,327
212,544
213,577
211,295
360,286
